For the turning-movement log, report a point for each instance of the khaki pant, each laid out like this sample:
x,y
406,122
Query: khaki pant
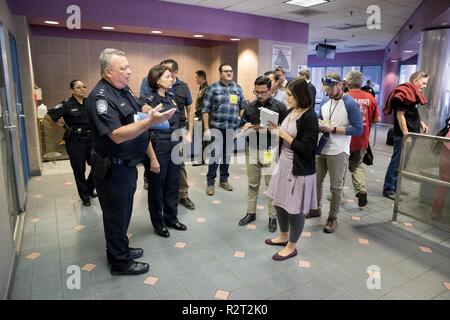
x,y
356,169
254,167
184,187
337,166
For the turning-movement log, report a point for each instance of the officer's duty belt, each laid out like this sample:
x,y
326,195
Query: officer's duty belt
x,y
81,131
128,163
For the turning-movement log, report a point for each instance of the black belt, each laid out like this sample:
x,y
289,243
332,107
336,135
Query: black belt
x,y
128,163
81,131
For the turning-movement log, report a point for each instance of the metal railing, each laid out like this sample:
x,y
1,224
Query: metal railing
x,y
408,142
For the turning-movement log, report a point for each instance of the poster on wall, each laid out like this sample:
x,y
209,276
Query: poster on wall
x,y
281,57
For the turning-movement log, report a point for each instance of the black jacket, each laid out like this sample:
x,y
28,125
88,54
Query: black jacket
x,y
304,144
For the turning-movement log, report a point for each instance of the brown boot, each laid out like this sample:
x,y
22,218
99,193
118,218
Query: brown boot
x,y
210,190
331,225
225,185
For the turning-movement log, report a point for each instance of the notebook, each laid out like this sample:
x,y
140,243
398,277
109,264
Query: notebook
x,y
267,115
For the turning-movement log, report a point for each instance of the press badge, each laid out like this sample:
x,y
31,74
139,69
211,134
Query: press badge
x,y
267,158
233,99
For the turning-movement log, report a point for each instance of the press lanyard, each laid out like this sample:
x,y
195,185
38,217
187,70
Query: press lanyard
x,y
331,105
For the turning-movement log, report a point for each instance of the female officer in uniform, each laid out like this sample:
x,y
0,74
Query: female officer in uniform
x,y
164,175
77,138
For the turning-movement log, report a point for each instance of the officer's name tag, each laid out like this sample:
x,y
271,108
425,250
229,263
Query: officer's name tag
x,y
233,99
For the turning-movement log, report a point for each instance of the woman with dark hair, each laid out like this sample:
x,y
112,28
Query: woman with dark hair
x,y
293,184
164,174
77,138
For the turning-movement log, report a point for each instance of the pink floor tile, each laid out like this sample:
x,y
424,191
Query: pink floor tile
x,y
306,235
33,255
88,267
408,224
151,281
216,202
363,241
36,220
356,218
425,250
251,226
447,285
260,207
180,245
201,220
79,227
222,295
239,254
304,264
37,196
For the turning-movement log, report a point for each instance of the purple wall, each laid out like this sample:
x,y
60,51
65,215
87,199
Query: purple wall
x,y
157,14
348,59
120,36
430,13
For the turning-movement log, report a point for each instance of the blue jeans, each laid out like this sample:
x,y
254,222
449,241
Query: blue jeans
x,y
390,180
224,156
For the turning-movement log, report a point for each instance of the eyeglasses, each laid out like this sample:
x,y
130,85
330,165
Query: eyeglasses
x,y
227,71
260,93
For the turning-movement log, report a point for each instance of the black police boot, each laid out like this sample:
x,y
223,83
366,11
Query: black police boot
x,y
249,217
86,202
135,268
177,226
162,232
135,253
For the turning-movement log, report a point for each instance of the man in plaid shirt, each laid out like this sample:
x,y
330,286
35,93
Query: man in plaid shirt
x,y
223,105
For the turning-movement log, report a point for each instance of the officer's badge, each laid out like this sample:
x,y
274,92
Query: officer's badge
x,y
102,106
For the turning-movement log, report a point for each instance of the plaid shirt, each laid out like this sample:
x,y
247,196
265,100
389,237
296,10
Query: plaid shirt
x,y
223,104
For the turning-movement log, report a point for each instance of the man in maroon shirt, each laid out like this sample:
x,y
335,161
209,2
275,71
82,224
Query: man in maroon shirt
x,y
358,145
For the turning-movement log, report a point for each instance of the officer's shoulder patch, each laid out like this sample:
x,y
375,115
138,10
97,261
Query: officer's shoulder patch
x,y
102,106
58,106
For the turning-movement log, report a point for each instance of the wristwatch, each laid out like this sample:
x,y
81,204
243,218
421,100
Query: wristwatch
x,y
334,130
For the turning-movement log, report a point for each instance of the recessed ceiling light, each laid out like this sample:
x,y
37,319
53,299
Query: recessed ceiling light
x,y
393,60
407,51
235,39
51,22
444,23
307,3
108,28
156,31
418,41
198,36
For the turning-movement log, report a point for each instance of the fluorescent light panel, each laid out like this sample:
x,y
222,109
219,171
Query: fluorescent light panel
x,y
51,22
306,3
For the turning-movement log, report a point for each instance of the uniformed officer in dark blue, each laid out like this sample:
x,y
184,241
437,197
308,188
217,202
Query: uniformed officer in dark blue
x,y
120,142
77,138
164,174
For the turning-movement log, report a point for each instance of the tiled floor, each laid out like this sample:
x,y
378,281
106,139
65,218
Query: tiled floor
x,y
413,259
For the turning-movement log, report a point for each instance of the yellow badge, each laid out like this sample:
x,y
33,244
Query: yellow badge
x,y
267,157
233,99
